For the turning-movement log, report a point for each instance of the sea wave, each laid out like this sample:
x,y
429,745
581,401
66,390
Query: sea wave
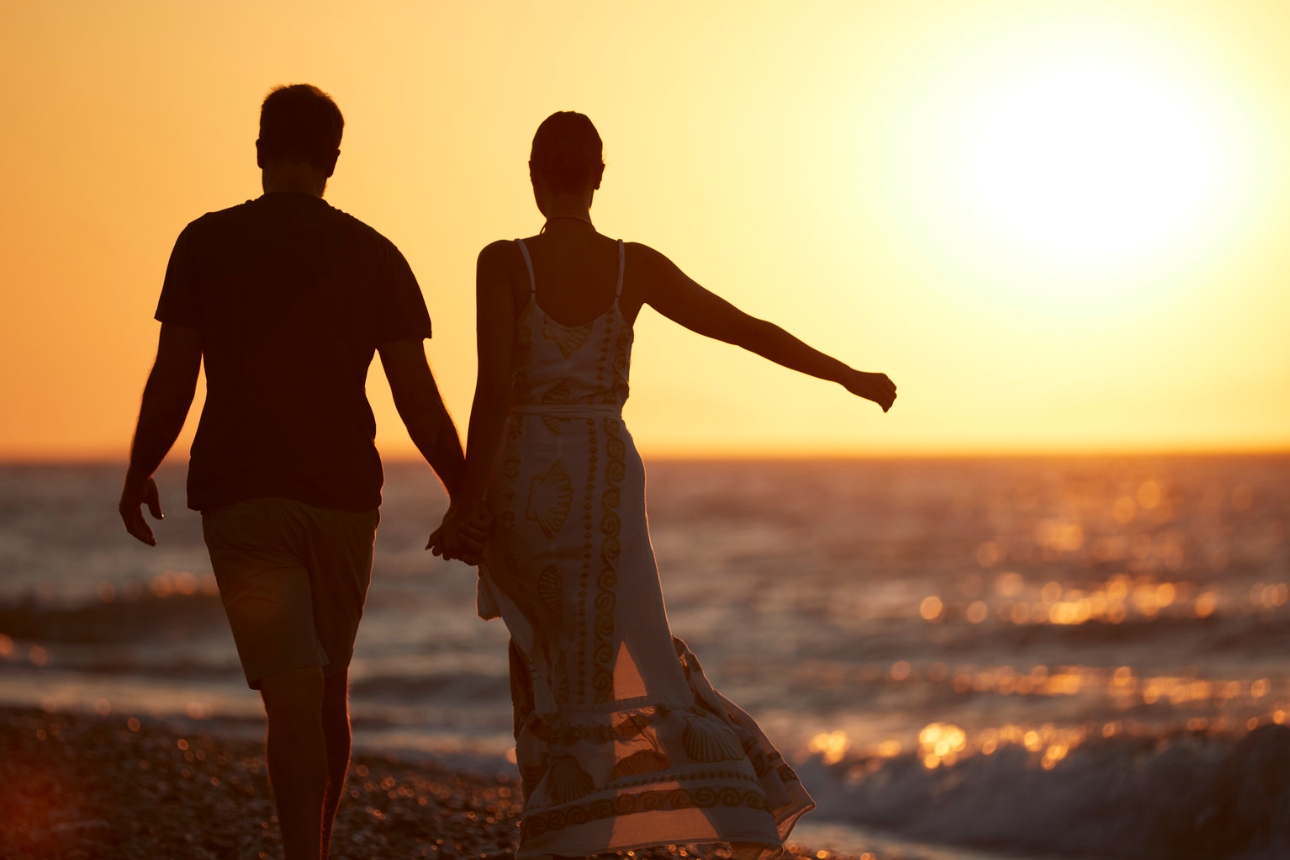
x,y
126,620
459,687
1218,632
1168,796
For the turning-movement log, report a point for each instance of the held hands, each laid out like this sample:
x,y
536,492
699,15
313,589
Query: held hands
x,y
872,386
134,496
462,536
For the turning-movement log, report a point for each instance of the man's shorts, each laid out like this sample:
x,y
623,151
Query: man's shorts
x,y
293,579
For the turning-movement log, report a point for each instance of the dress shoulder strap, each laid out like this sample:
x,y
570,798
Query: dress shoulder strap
x,y
528,264
622,259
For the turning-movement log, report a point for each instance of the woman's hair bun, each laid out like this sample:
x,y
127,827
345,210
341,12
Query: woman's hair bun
x,y
567,152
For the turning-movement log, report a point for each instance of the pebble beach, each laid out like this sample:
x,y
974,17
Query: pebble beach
x,y
82,786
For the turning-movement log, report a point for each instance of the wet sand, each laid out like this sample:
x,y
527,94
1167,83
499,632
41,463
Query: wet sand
x,y
86,786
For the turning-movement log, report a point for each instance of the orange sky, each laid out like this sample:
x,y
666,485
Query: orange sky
x,y
1057,226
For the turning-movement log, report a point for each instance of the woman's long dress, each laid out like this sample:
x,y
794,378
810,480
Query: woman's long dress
x,y
620,740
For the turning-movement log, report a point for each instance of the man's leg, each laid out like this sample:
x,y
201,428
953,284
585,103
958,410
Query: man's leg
x,y
297,757
259,563
336,734
340,569
336,551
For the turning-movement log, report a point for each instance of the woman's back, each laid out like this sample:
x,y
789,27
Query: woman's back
x,y
572,344
576,270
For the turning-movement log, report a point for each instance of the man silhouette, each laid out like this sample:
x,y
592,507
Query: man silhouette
x,y
286,300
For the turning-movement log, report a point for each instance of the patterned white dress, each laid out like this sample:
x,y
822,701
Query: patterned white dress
x,y
620,740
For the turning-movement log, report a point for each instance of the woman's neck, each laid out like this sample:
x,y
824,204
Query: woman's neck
x,y
570,222
567,213
566,207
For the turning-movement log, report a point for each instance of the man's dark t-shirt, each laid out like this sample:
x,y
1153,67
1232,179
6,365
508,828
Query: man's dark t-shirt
x,y
292,297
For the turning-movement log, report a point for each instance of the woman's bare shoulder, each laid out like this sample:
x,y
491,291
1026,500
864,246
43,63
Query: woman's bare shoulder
x,y
653,264
653,261
502,251
640,249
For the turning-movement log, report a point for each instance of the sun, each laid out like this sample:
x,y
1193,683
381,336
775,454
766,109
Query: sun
x,y
1088,162
1071,163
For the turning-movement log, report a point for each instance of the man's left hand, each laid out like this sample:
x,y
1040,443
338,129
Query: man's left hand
x,y
134,496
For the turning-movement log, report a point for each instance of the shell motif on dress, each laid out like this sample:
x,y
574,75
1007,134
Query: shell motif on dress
x,y
645,761
557,394
566,781
708,741
569,339
550,499
550,591
632,726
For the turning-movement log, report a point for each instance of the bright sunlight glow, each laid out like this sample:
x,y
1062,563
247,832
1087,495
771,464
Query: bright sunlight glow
x,y
1073,164
1088,163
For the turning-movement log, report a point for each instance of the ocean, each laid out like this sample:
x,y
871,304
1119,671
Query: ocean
x,y
965,658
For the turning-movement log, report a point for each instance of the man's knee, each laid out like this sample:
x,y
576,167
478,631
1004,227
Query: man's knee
x,y
336,686
293,693
335,695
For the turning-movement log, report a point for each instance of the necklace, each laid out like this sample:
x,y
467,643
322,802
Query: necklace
x,y
586,221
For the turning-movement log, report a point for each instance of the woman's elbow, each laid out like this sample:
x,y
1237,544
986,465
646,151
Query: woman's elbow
x,y
752,333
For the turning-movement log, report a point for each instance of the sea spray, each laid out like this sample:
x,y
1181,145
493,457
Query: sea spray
x,y
1172,796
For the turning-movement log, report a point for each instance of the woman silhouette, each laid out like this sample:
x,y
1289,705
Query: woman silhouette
x,y
620,740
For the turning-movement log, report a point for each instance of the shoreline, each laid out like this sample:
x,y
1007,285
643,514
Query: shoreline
x,y
84,786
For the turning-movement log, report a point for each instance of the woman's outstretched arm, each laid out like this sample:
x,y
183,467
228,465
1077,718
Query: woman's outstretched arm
x,y
494,336
676,296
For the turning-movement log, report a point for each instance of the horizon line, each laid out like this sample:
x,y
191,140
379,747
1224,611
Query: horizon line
x,y
772,455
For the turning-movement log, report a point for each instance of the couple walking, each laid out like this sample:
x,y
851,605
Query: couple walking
x,y
621,741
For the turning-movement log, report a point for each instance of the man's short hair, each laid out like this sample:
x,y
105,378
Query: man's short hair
x,y
299,123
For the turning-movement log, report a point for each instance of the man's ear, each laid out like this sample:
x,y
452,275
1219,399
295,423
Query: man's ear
x,y
259,155
331,164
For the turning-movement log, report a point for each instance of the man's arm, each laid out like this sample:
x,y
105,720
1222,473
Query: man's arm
x,y
494,335
166,400
416,396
